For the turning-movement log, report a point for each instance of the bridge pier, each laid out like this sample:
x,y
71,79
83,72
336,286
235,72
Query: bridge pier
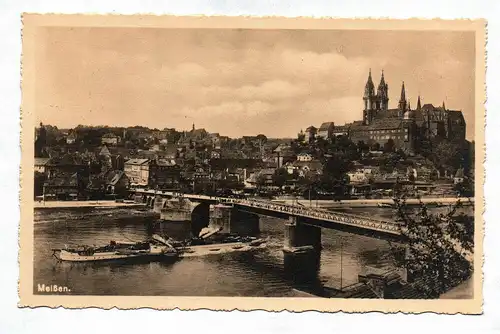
x,y
232,220
159,202
302,250
138,198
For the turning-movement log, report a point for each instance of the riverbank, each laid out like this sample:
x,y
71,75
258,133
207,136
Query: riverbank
x,y
86,204
367,203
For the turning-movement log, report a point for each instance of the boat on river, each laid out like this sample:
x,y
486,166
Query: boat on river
x,y
218,244
147,250
159,248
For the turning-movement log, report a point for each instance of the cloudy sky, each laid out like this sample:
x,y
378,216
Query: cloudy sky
x,y
242,82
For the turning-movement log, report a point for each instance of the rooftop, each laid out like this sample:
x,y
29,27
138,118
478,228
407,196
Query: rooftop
x,y
136,161
326,125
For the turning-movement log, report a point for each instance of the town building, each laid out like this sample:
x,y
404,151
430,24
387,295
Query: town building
x,y
40,140
66,164
63,186
283,154
340,130
304,157
160,173
310,134
459,176
164,173
308,169
326,130
112,157
137,171
110,139
71,138
40,164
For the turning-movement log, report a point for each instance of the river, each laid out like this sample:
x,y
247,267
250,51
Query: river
x,y
256,274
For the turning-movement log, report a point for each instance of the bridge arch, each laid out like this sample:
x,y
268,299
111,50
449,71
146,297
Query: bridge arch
x,y
200,217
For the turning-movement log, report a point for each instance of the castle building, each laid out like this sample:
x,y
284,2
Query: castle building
x,y
404,126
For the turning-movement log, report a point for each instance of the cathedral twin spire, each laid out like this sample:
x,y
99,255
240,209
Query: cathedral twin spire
x,y
369,87
383,88
376,100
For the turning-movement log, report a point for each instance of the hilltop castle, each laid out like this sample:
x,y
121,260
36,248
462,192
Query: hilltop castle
x,y
405,126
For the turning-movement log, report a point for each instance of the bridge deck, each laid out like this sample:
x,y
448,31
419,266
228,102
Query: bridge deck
x,y
318,214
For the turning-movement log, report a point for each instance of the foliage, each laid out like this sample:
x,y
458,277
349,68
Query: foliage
x,y
363,147
39,181
448,155
261,138
261,180
411,177
280,177
375,146
465,188
389,146
437,246
390,161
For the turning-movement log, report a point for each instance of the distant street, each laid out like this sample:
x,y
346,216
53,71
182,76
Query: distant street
x,y
84,204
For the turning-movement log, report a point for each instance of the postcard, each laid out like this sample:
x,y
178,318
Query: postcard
x,y
252,163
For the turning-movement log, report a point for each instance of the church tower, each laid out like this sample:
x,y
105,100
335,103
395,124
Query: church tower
x,y
369,100
408,115
402,100
382,94
419,106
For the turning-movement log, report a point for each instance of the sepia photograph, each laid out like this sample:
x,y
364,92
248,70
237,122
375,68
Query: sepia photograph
x,y
316,164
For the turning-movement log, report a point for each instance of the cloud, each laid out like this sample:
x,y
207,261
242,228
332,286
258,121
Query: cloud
x,y
272,81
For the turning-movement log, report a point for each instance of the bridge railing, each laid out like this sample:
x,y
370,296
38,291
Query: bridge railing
x,y
321,214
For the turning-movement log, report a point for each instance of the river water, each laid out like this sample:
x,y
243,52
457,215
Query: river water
x,y
256,274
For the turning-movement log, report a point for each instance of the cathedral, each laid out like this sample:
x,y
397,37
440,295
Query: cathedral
x,y
404,125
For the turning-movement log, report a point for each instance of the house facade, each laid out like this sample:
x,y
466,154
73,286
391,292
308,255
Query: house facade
x,y
110,139
304,157
40,164
163,173
71,138
137,171
117,183
310,134
326,130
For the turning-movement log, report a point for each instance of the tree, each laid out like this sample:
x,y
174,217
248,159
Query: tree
x,y
39,180
389,162
261,180
437,247
465,188
363,147
411,177
280,177
389,146
261,138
